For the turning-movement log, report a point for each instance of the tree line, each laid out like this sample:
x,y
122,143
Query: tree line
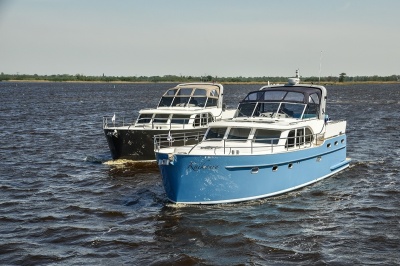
x,y
342,77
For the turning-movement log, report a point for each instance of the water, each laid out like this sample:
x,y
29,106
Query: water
x,y
63,202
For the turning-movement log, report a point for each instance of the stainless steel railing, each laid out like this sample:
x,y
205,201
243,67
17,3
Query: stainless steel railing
x,y
247,146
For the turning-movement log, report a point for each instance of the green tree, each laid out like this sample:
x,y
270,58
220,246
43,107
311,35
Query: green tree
x,y
341,77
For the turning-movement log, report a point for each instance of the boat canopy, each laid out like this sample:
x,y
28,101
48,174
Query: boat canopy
x,y
286,94
201,95
284,101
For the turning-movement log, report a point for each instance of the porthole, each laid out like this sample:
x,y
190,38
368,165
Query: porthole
x,y
342,141
254,170
274,168
336,143
328,145
319,158
290,166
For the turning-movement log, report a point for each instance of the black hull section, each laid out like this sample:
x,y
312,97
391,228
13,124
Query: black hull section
x,y
137,144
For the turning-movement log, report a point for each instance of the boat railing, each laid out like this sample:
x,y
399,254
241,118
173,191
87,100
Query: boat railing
x,y
246,146
111,122
171,123
178,139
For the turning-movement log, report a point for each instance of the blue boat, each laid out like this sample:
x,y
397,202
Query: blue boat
x,y
279,140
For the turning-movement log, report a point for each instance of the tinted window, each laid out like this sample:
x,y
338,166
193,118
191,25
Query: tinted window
x,y
267,136
200,92
180,119
254,96
144,118
274,95
171,92
160,118
165,101
180,101
185,92
294,97
239,133
197,101
212,102
215,133
245,109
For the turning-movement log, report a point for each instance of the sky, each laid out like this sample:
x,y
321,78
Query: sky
x,y
222,38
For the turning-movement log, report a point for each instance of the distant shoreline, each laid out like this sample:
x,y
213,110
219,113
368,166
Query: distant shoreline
x,y
176,82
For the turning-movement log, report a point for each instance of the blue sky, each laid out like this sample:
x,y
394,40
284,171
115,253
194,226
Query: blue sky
x,y
203,37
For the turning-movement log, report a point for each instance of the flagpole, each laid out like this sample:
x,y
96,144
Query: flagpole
x,y
113,119
320,67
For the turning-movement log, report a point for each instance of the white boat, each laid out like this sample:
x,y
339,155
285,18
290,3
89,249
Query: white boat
x,y
187,108
279,140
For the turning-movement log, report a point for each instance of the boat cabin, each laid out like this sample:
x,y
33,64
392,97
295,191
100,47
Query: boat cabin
x,y
185,106
257,139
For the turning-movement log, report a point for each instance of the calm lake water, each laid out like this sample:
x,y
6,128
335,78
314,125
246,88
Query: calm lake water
x,y
63,202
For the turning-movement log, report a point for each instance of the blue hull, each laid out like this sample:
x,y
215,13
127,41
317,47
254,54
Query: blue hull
x,y
199,179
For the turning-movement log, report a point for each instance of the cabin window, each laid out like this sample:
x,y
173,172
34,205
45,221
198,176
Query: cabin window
x,y
215,133
166,101
299,137
197,101
198,98
293,109
180,101
312,109
197,121
214,93
180,119
291,139
144,118
171,92
161,118
309,137
206,118
274,95
185,92
200,92
267,136
245,109
202,119
294,97
239,133
266,109
269,107
254,96
212,102
314,98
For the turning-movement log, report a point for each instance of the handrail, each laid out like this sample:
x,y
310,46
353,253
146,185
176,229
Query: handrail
x,y
115,123
161,141
167,140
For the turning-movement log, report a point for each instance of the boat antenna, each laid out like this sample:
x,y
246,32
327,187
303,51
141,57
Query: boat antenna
x,y
320,67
